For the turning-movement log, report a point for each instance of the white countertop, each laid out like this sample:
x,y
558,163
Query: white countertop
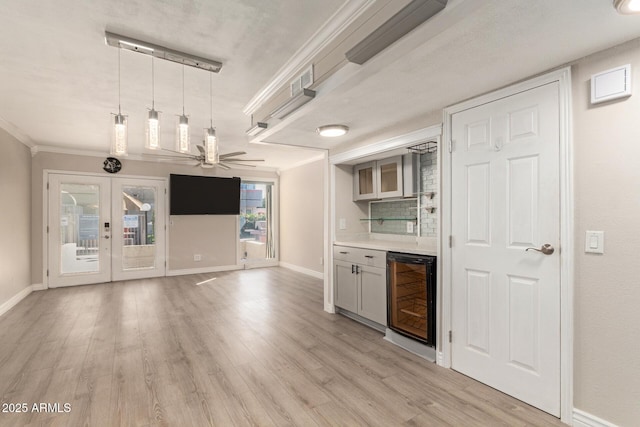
x,y
389,245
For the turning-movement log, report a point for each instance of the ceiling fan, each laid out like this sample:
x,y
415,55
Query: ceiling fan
x,y
225,161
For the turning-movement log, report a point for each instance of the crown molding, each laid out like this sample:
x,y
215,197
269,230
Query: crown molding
x,y
15,132
331,29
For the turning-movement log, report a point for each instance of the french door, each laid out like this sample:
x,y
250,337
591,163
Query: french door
x,y
505,225
102,229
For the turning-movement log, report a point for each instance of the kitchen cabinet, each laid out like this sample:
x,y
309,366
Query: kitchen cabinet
x,y
360,282
365,181
379,179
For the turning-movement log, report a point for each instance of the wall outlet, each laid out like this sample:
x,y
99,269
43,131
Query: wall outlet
x,y
343,224
197,257
409,226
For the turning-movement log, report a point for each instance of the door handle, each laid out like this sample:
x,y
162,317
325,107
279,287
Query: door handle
x,y
353,268
357,269
546,249
106,236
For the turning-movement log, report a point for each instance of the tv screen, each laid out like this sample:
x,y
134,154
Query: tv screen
x,y
203,195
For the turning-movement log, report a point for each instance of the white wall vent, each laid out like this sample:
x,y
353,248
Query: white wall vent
x,y
611,84
303,81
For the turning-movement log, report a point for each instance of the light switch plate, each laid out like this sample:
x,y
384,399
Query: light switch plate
x,y
343,224
594,242
409,226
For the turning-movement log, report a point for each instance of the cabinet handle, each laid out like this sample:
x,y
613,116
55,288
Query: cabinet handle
x,y
357,269
344,253
353,268
369,256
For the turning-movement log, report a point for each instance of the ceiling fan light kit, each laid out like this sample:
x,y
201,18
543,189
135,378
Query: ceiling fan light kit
x,y
332,131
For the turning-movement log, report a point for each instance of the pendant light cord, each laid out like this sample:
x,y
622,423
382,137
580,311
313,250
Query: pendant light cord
x,y
211,96
119,111
153,86
183,89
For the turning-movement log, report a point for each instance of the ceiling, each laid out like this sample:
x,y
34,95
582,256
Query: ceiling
x,y
59,80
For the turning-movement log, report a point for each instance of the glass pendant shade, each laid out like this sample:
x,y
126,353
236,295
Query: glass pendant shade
x,y
153,131
182,135
119,139
211,146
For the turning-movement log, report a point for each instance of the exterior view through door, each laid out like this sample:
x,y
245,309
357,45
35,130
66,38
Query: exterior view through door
x,y
256,221
505,290
103,229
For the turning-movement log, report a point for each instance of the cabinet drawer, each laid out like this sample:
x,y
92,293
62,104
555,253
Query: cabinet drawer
x,y
360,256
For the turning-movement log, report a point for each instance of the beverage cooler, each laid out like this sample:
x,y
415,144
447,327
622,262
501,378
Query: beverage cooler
x,y
411,296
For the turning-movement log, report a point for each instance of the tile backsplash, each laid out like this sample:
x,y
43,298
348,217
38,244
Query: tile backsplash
x,y
393,210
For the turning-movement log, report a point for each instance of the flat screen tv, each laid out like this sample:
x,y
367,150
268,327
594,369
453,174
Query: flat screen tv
x,y
203,195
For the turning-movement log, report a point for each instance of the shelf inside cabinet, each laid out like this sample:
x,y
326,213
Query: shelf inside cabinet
x,y
382,220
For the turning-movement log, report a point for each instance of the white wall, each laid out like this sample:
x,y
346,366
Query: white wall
x,y
607,287
211,236
302,216
15,223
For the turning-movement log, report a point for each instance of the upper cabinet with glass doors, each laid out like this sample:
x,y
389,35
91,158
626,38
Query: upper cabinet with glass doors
x,y
378,180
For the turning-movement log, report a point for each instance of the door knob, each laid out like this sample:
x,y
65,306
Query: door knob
x,y
546,249
106,236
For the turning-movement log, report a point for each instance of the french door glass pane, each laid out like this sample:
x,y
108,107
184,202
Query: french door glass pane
x,y
138,227
79,228
256,231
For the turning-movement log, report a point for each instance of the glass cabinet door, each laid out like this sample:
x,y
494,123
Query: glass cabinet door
x,y
365,181
390,177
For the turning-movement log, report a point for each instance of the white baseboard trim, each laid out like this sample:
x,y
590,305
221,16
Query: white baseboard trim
x,y
307,271
8,305
39,287
185,271
584,419
440,358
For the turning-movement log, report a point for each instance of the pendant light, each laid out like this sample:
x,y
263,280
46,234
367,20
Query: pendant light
x,y
210,139
182,131
152,141
119,137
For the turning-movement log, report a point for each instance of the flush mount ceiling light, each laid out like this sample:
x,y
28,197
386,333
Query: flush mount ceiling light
x,y
627,7
331,131
124,42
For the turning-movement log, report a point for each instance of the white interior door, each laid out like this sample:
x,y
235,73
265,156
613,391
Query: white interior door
x,y
103,229
505,199
138,238
78,232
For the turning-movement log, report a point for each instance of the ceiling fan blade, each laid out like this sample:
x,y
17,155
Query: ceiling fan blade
x,y
235,153
200,149
244,160
242,164
179,153
223,166
165,156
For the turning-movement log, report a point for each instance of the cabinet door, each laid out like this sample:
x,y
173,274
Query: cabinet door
x,y
345,286
372,302
365,181
389,174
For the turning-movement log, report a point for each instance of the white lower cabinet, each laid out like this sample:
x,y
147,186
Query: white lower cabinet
x,y
360,280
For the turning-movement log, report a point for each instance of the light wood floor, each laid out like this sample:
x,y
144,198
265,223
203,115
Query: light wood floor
x,y
252,347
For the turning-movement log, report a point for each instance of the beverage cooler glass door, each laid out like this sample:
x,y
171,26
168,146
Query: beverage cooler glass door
x,y
411,295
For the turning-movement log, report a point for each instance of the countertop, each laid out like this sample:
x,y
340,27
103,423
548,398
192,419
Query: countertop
x,y
389,245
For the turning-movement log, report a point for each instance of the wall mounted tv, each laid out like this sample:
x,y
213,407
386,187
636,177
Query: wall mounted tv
x,y
203,195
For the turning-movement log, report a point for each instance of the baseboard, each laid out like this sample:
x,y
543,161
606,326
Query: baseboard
x,y
39,287
584,419
15,299
185,271
307,271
